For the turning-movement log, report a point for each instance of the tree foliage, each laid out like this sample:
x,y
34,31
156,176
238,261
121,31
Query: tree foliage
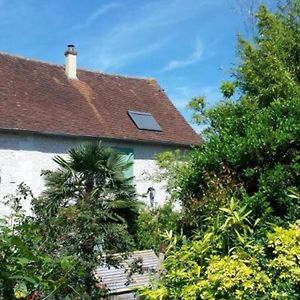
x,y
152,224
204,269
29,270
87,207
238,190
252,143
85,214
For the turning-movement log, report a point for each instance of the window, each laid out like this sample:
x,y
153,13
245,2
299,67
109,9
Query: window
x,y
144,120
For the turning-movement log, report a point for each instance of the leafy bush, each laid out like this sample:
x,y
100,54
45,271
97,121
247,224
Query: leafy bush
x,y
204,269
28,269
252,145
82,217
153,223
236,188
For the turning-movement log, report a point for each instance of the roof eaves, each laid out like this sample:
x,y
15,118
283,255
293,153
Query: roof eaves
x,y
108,138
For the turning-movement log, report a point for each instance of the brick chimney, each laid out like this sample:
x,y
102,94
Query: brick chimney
x,y
70,62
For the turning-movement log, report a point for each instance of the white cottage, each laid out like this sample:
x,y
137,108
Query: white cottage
x,y
46,109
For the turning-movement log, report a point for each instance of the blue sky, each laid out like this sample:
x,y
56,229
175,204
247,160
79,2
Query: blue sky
x,y
187,45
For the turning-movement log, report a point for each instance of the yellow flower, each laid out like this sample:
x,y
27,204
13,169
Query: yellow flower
x,y
19,294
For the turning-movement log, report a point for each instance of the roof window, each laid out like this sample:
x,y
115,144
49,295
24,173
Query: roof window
x,y
144,120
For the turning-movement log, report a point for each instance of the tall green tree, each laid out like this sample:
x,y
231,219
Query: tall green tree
x,y
252,140
238,189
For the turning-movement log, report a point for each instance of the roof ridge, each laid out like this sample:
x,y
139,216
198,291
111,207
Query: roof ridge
x,y
43,88
30,59
79,69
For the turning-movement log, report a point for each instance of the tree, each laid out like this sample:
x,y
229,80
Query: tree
x,y
152,223
87,208
252,139
238,190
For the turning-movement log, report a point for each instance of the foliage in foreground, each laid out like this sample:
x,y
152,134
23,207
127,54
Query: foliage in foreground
x,y
28,269
200,270
153,223
83,216
236,188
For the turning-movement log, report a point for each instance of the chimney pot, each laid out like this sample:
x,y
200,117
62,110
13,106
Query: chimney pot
x,y
70,62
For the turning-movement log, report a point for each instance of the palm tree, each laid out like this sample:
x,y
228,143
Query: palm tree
x,y
92,173
89,206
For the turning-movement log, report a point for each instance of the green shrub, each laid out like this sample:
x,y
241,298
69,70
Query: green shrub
x,y
252,145
236,188
201,269
28,270
153,223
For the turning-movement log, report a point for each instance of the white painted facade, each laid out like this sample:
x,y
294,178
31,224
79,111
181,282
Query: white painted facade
x,y
24,155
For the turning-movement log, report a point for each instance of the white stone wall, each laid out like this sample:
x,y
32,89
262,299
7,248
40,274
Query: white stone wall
x,y
23,156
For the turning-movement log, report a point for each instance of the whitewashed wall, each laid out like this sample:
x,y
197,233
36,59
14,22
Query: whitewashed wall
x,y
23,156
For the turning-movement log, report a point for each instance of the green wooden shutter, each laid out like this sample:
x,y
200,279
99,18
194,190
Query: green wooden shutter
x,y
128,156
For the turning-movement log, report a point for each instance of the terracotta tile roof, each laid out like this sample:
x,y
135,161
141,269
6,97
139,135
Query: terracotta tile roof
x,y
38,97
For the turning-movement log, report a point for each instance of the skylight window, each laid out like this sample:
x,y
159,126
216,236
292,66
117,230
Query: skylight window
x,y
144,120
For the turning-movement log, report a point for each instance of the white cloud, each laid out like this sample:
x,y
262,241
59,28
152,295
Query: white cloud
x,y
95,15
181,95
193,58
141,32
107,61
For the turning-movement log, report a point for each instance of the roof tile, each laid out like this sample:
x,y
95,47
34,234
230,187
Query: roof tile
x,y
38,97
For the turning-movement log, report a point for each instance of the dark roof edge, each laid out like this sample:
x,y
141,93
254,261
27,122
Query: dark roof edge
x,y
107,138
